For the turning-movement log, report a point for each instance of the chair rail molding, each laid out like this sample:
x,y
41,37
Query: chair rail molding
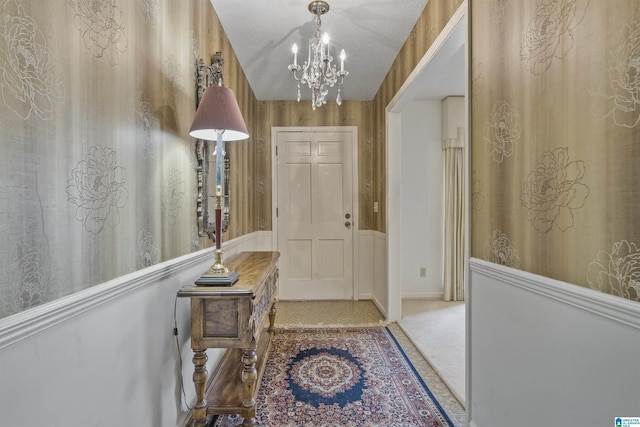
x,y
29,322
608,306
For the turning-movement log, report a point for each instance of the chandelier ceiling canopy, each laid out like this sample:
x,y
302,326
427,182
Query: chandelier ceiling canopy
x,y
319,72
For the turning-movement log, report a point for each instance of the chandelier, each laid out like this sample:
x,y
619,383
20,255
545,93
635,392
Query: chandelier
x,y
319,72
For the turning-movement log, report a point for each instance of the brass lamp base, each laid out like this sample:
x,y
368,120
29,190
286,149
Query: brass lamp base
x,y
218,274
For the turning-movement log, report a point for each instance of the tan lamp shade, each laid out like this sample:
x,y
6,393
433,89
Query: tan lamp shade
x,y
218,110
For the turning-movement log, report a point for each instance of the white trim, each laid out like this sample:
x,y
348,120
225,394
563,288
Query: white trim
x,y
610,307
380,307
30,322
355,214
393,157
393,186
423,295
238,244
402,97
21,325
274,186
185,417
467,220
263,240
378,235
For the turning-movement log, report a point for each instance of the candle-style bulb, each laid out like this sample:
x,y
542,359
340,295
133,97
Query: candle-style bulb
x,y
325,41
342,56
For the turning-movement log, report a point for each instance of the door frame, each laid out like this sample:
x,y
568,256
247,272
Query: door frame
x,y
460,21
355,214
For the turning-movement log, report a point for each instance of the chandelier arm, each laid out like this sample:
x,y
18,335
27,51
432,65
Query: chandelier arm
x,y
295,74
319,73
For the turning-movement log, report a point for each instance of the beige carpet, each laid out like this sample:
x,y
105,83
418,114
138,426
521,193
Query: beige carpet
x,y
437,329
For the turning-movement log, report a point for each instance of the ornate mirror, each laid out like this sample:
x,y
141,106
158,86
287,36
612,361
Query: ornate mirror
x,y
206,159
206,175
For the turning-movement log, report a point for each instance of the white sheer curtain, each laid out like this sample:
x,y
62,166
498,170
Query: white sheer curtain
x,y
454,226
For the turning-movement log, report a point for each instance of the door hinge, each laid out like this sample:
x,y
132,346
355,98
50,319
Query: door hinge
x,y
276,212
276,150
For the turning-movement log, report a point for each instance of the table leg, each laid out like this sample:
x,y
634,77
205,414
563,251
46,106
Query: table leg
x,y
199,411
249,421
272,317
249,378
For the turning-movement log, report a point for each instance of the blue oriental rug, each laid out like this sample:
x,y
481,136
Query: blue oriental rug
x,y
341,377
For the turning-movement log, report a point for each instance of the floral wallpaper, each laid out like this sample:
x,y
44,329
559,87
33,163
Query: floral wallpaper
x,y
97,168
556,139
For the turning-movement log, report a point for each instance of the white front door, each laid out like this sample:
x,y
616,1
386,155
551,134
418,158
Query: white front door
x,y
314,213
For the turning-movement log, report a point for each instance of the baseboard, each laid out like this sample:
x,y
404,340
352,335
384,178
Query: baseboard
x,y
423,295
382,309
184,418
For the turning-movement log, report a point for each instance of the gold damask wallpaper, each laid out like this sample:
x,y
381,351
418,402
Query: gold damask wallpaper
x,y
97,168
556,139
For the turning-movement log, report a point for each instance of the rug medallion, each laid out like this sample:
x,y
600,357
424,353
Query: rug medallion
x,y
341,377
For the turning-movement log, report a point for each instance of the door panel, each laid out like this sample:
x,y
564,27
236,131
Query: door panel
x,y
299,198
315,236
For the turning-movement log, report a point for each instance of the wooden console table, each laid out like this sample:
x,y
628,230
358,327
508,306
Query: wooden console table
x,y
233,317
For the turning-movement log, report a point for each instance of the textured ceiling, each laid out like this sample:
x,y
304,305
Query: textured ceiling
x,y
262,32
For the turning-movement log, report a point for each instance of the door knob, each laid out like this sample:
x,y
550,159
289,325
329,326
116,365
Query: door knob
x,y
347,224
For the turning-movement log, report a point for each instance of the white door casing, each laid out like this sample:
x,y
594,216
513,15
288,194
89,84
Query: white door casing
x,y
314,211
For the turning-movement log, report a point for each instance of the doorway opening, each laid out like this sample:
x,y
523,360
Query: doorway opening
x,y
415,150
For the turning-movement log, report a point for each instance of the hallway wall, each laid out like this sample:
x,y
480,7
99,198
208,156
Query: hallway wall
x,y
98,170
98,205
555,137
105,357
422,200
548,353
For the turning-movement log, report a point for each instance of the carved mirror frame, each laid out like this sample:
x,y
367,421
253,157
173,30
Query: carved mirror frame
x,y
209,75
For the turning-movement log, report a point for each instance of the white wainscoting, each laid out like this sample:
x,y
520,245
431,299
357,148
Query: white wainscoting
x,y
548,353
371,277
379,269
365,262
107,356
